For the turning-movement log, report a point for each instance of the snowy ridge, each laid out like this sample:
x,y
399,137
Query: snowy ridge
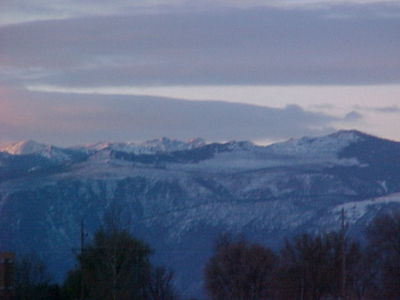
x,y
170,145
328,145
148,147
241,155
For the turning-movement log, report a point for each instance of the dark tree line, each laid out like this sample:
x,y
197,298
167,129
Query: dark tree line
x,y
310,267
328,266
114,266
384,237
240,270
32,281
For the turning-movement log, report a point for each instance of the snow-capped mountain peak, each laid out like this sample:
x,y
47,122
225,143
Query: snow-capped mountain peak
x,y
330,144
32,147
25,147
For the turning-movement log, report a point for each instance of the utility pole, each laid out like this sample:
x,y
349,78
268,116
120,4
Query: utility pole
x,y
82,249
342,258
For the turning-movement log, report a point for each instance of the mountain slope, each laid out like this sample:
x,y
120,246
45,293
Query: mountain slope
x,y
179,201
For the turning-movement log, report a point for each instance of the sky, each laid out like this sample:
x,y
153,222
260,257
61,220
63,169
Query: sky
x,y
78,72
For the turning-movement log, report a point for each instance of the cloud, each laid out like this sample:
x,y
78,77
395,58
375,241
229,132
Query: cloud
x,y
380,109
323,106
353,116
66,119
388,109
173,43
227,47
20,11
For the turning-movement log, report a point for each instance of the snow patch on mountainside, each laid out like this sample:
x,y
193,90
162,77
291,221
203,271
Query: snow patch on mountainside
x,y
357,209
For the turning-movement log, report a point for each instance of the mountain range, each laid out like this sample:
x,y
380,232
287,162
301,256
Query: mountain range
x,y
179,196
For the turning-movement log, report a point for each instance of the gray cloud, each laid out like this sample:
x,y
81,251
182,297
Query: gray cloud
x,y
379,109
353,116
323,106
178,42
229,46
19,11
73,119
388,109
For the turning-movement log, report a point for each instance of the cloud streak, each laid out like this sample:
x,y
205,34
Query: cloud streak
x,y
20,11
229,47
380,109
